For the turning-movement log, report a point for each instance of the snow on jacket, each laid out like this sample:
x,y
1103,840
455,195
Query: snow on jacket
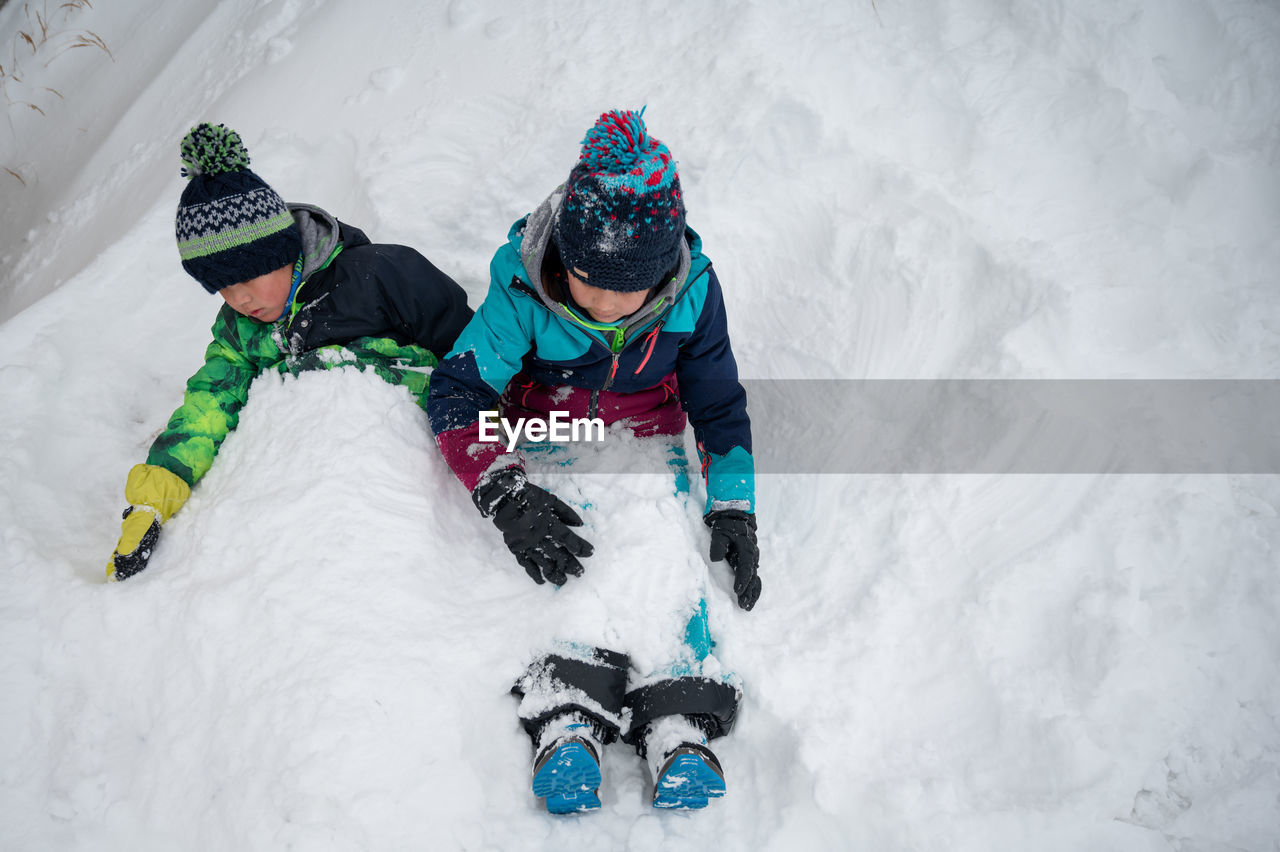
x,y
520,329
376,306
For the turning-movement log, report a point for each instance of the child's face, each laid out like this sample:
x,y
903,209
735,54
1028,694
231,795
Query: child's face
x,y
603,305
262,298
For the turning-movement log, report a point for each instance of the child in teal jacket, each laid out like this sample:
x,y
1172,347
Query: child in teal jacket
x,y
602,305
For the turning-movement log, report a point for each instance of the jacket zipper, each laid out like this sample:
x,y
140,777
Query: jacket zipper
x,y
651,337
613,371
619,341
294,304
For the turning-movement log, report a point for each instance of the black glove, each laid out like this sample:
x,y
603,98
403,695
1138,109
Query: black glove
x,y
535,525
733,537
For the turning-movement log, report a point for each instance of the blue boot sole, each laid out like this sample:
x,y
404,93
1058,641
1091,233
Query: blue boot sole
x,y
569,780
688,782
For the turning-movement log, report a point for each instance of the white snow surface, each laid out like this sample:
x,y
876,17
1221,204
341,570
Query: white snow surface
x,y
319,654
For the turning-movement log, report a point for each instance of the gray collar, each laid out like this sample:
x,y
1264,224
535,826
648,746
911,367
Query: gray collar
x,y
319,233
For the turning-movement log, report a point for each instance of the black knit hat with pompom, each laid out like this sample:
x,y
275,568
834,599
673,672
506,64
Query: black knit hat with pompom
x,y
622,219
231,226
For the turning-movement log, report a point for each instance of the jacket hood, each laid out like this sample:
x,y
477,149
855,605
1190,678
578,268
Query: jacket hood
x,y
536,235
321,235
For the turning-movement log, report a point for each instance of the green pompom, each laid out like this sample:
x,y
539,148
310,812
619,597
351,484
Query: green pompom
x,y
210,150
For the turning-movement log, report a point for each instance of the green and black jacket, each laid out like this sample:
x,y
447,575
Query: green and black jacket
x,y
379,307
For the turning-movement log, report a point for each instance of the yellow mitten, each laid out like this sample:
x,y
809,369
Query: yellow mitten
x,y
154,494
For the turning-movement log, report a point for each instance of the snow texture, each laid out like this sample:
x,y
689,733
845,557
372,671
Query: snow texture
x,y
320,653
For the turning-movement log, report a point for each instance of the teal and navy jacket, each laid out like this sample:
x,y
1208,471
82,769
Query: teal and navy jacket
x,y
677,345
373,306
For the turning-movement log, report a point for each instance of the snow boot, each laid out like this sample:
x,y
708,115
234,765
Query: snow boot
x,y
686,773
566,771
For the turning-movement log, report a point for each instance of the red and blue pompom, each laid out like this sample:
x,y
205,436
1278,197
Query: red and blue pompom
x,y
618,147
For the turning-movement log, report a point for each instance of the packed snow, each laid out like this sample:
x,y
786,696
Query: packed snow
x,y
320,652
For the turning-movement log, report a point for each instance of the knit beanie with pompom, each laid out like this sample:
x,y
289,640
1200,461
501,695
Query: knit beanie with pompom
x,y
622,219
231,226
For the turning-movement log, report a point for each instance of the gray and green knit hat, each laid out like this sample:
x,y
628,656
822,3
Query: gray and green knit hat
x,y
231,226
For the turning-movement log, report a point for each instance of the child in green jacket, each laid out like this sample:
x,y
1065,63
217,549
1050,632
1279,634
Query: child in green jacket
x,y
302,291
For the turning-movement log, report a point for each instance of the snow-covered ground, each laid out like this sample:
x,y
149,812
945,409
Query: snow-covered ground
x,y
319,654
